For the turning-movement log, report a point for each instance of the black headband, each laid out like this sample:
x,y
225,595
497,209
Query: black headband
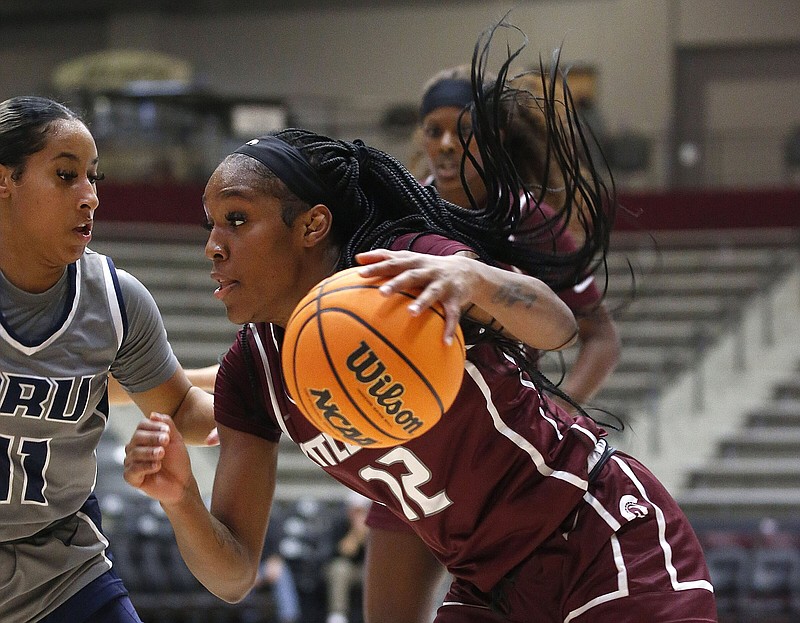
x,y
450,92
289,165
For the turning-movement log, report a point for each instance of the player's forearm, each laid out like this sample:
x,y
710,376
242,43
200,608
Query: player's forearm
x,y
195,416
526,308
211,551
598,355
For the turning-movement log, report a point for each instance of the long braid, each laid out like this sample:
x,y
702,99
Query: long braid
x,y
563,160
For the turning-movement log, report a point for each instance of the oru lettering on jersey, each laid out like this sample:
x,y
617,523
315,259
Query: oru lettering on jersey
x,y
53,399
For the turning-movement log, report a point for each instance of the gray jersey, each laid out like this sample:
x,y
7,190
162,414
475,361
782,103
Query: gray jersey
x,y
56,350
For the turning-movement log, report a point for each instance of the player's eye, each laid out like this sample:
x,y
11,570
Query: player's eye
x,y
67,176
235,219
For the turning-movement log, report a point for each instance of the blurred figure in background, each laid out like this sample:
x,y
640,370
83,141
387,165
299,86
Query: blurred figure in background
x,y
455,171
346,569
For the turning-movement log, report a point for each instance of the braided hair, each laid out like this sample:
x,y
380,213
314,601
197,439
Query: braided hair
x,y
374,198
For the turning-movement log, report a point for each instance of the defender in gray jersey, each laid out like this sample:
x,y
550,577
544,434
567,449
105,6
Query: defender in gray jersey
x,y
68,319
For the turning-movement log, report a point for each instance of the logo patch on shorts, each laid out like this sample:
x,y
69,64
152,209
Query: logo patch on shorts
x,y
631,508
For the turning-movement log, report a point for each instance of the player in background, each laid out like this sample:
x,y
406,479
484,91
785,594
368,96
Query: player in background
x,y
68,320
402,585
526,504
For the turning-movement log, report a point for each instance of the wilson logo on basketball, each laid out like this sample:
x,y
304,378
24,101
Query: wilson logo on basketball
x,y
369,370
330,411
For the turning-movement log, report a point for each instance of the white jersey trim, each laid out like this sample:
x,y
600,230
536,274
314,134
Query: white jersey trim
x,y
622,584
522,443
273,398
100,536
662,538
29,350
581,287
600,510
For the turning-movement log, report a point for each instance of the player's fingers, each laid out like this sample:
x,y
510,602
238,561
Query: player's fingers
x,y
151,424
138,453
141,462
137,470
149,436
452,309
163,419
368,258
381,262
433,292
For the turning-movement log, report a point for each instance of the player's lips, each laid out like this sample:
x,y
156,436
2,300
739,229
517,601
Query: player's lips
x,y
84,230
447,169
225,285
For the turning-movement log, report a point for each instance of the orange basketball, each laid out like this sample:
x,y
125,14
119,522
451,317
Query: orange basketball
x,y
362,368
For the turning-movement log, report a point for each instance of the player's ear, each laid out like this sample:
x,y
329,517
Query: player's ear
x,y
6,180
317,224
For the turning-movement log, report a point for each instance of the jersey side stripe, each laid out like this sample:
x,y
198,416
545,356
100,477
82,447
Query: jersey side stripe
x,y
522,443
662,530
268,373
600,510
622,584
115,302
100,536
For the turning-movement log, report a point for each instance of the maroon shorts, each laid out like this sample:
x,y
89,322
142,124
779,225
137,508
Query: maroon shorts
x,y
627,554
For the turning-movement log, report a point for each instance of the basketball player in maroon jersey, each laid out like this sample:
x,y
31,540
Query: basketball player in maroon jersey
x,y
526,504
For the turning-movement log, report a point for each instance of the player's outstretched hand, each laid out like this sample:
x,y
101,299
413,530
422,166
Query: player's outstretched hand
x,y
156,460
449,280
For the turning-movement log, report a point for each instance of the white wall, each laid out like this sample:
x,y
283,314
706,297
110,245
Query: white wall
x,y
735,22
386,53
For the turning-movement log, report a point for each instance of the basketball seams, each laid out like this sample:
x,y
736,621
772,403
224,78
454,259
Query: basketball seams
x,y
317,319
299,396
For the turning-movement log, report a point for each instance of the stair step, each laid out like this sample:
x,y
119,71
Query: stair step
x,y
777,413
738,479
730,497
779,442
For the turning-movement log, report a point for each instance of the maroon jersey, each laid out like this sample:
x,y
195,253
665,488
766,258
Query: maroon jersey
x,y
483,488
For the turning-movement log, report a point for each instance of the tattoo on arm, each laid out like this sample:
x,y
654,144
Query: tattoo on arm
x,y
510,295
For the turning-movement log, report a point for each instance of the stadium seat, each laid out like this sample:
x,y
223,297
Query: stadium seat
x,y
728,565
767,587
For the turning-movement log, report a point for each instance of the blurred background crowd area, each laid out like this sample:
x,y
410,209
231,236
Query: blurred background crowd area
x,y
694,103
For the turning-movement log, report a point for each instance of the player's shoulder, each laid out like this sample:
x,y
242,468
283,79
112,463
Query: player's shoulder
x,y
431,243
